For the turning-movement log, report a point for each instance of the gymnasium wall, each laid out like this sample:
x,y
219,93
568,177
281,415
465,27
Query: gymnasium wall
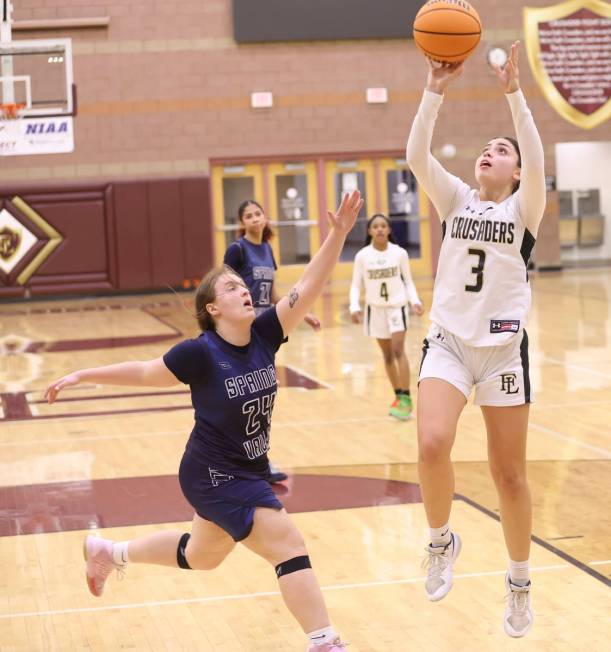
x,y
164,88
112,236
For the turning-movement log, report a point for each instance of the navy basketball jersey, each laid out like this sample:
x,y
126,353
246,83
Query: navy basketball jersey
x,y
256,265
233,389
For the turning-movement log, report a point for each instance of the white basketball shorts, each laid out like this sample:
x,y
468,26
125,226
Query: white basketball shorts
x,y
382,322
498,373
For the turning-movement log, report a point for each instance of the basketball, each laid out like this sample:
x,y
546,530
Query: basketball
x,y
447,30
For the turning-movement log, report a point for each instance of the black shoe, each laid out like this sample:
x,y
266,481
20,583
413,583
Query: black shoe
x,y
277,476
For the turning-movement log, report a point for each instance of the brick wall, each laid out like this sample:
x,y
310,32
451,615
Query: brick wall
x,y
164,88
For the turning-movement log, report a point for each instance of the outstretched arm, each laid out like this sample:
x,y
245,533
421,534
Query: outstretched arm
x,y
152,373
532,192
294,307
440,186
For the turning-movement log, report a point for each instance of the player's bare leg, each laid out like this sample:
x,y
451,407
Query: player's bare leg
x,y
507,430
204,549
436,435
276,538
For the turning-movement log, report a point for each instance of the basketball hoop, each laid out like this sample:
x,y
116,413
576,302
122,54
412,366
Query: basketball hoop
x,y
11,111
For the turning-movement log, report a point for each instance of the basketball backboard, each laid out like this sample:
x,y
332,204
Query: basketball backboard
x,y
38,75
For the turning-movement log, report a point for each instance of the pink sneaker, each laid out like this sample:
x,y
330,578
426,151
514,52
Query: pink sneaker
x,y
333,646
100,564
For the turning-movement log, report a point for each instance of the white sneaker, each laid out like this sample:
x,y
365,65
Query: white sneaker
x,y
518,614
439,564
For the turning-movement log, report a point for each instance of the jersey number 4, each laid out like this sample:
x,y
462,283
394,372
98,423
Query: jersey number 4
x,y
478,270
384,291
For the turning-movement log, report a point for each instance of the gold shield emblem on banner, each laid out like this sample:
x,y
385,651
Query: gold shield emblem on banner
x,y
569,51
9,242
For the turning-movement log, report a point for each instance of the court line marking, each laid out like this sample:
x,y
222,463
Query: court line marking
x,y
259,594
568,365
576,442
542,542
600,563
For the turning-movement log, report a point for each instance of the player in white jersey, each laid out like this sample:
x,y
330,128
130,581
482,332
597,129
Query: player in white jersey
x,y
477,339
383,267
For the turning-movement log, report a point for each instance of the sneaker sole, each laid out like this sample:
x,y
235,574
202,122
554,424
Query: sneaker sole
x,y
90,583
395,416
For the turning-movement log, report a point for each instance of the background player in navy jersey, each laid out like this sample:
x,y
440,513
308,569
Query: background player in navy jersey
x,y
251,256
383,268
230,371
481,303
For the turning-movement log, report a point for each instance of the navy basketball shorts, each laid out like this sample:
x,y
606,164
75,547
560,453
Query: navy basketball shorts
x,y
224,500
499,374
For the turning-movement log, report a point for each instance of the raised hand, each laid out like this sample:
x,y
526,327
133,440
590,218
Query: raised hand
x,y
441,74
344,218
508,75
312,321
57,385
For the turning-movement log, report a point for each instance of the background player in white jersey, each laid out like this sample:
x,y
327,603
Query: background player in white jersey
x,y
383,267
477,339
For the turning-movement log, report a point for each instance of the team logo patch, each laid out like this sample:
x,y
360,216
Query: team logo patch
x,y
508,382
224,365
504,325
218,476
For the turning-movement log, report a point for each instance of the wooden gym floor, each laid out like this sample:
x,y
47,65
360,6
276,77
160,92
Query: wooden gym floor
x,y
105,459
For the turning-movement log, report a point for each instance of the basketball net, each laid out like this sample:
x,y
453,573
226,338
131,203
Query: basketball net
x,y
11,111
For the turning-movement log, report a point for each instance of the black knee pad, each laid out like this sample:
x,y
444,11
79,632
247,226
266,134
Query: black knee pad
x,y
180,551
292,565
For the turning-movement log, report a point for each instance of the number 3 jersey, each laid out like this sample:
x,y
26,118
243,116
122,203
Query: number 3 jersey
x,y
482,293
386,276
233,389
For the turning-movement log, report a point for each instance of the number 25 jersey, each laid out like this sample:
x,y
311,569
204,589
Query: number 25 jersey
x,y
482,293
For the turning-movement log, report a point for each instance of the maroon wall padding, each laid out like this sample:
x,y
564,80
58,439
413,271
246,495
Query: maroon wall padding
x,y
119,235
198,233
133,243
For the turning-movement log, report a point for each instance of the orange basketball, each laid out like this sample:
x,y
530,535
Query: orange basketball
x,y
447,30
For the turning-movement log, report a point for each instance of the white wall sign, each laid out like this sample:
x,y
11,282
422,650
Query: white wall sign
x,y
23,137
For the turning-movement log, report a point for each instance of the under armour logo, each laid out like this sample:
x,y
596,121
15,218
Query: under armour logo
x,y
507,383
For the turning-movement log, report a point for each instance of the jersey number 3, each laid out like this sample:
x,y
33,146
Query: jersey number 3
x,y
478,270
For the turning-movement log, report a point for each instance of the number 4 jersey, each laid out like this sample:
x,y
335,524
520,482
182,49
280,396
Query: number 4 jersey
x,y
386,276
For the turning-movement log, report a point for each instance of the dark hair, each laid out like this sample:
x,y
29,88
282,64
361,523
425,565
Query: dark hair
x,y
267,232
206,293
514,142
370,222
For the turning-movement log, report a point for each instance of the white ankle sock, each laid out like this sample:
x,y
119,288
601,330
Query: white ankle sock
x,y
322,636
119,553
440,536
519,572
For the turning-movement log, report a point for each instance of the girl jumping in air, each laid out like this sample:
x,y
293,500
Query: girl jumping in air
x,y
477,338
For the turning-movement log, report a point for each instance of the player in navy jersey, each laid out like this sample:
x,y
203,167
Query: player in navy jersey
x,y
252,257
230,371
481,303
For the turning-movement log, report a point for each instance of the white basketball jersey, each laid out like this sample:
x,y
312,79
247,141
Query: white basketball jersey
x,y
386,276
482,292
